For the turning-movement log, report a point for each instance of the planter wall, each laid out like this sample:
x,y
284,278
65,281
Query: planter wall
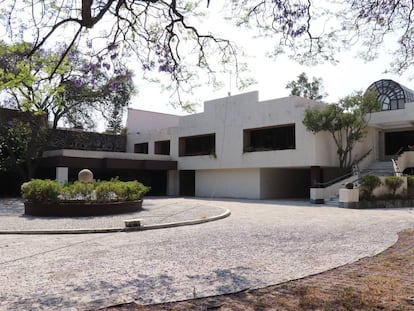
x,y
81,209
397,203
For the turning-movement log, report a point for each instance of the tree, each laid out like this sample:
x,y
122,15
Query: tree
x,y
22,137
302,87
81,86
166,36
345,121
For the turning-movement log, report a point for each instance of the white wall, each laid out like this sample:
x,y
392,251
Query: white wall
x,y
173,183
141,120
244,183
228,117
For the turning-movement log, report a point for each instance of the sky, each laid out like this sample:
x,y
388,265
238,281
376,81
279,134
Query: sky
x,y
349,75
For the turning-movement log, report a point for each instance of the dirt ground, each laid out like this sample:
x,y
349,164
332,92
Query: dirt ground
x,y
382,282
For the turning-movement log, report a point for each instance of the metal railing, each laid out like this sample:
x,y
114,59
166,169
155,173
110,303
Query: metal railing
x,y
354,171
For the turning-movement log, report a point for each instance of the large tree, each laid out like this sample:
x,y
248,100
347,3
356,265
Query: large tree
x,y
166,36
80,87
305,88
22,137
346,121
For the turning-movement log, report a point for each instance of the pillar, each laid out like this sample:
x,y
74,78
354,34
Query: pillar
x,y
62,174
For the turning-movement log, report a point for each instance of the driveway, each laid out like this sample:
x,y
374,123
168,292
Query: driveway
x,y
261,243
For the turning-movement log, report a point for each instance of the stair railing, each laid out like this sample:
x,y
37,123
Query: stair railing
x,y
354,172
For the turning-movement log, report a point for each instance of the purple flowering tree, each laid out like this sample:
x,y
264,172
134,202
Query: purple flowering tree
x,y
166,36
83,85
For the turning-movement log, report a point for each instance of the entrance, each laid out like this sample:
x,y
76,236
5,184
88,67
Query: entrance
x,y
396,142
187,183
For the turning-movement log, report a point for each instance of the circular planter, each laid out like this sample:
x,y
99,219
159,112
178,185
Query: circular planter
x,y
81,208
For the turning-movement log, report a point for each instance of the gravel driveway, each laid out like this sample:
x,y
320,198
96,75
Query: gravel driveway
x,y
261,243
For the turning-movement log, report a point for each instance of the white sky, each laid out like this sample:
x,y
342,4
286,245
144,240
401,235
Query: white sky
x,y
272,75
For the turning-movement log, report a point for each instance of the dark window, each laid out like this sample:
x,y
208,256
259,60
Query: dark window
x,y
141,148
197,145
269,138
398,141
162,147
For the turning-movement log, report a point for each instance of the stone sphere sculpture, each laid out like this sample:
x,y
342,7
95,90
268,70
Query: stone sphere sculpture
x,y
85,176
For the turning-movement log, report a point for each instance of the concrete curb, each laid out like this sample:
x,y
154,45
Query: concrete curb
x,y
225,214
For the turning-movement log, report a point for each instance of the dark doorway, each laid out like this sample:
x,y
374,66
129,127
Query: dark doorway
x,y
394,141
187,183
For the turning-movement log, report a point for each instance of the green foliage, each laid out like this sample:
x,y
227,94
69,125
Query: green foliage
x,y
81,190
393,183
410,181
304,88
70,89
368,184
118,190
345,121
22,136
38,190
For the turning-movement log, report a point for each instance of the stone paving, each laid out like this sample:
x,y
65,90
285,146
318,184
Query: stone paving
x,y
261,243
155,211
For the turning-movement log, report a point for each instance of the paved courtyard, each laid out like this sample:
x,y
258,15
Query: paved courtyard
x,y
261,243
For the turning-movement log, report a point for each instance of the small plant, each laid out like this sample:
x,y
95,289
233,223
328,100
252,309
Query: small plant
x,y
38,190
393,183
368,184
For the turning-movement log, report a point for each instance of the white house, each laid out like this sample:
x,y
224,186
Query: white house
x,y
245,148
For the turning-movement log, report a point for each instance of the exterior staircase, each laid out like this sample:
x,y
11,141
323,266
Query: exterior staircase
x,y
379,168
383,168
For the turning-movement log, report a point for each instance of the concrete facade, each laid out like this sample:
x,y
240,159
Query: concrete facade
x,y
240,147
230,170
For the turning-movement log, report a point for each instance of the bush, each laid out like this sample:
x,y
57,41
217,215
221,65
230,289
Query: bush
x,y
410,181
78,191
118,190
393,183
38,190
368,184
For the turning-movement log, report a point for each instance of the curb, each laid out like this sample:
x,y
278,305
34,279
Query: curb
x,y
225,214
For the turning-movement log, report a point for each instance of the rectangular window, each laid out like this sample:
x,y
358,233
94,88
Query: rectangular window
x,y
269,138
197,145
141,148
162,147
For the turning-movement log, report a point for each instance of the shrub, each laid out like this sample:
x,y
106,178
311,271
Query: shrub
x,y
38,190
393,183
115,189
106,191
78,191
410,181
368,184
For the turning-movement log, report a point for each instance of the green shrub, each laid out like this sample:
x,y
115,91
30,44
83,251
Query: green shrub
x,y
132,190
106,191
393,183
38,190
78,191
410,181
118,190
368,184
